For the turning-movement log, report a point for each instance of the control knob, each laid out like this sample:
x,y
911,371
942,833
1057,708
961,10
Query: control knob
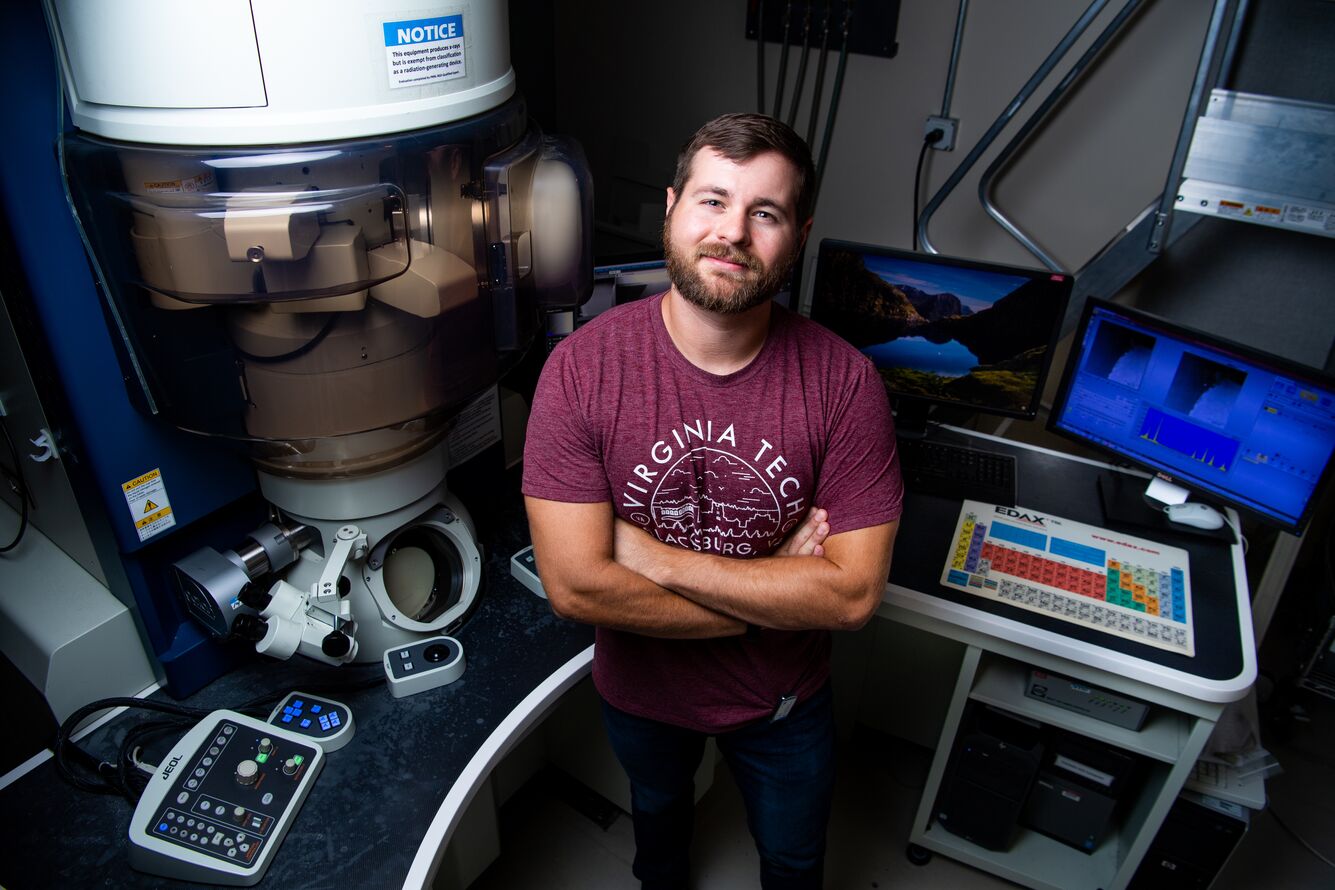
x,y
250,627
247,771
336,644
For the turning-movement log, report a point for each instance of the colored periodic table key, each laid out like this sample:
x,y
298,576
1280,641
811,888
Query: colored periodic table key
x,y
1105,580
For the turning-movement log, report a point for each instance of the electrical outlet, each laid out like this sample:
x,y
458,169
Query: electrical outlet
x,y
947,126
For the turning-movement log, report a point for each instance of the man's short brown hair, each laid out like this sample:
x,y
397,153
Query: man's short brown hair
x,y
742,136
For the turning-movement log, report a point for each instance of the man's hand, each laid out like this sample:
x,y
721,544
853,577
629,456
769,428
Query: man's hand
x,y
573,543
807,539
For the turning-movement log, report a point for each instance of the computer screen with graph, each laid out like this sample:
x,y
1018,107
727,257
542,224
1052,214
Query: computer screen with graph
x,y
1252,429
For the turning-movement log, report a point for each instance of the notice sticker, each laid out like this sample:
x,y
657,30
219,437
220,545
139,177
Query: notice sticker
x,y
422,51
150,510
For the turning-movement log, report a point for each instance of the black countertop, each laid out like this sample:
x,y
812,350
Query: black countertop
x,y
1060,486
368,809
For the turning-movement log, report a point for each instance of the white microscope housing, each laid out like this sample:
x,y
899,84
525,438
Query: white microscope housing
x,y
325,230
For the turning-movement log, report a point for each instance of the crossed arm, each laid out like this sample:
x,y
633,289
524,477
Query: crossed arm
x,y
604,571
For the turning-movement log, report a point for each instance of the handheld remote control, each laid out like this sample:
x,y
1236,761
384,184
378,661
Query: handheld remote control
x,y
423,665
222,800
326,721
524,568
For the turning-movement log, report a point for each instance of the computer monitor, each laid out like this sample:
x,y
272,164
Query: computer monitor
x,y
1254,430
942,330
625,282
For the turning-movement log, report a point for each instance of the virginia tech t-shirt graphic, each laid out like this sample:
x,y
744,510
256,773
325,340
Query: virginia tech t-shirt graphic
x,y
697,491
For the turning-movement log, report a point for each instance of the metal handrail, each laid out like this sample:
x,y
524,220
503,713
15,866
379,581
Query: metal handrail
x,y
954,57
1030,87
1200,86
1003,157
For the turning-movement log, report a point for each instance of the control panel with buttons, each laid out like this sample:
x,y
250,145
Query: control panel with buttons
x,y
423,665
323,719
221,801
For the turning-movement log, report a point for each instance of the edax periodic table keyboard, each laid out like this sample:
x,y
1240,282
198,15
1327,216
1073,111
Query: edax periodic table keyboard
x,y
1114,583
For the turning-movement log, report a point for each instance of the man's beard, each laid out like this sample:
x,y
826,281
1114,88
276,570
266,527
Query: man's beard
x,y
723,294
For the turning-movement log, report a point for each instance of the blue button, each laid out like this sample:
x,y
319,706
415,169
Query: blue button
x,y
305,723
324,722
333,718
287,718
297,703
162,826
315,709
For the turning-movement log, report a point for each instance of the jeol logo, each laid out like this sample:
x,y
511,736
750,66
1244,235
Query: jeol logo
x,y
448,27
171,765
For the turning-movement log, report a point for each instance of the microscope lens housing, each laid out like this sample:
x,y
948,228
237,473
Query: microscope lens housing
x,y
323,259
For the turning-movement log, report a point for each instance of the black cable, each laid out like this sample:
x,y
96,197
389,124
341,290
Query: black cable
x,y
260,706
22,487
834,100
816,92
801,66
124,777
783,59
295,353
131,779
760,56
928,141
107,773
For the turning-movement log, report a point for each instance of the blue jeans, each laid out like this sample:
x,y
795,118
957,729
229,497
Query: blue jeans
x,y
784,770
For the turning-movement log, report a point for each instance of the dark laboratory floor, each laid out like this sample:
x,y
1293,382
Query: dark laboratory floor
x,y
547,845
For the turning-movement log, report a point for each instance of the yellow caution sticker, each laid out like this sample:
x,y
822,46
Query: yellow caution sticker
x,y
150,508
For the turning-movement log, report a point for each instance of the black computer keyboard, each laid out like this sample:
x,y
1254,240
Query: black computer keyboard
x,y
956,472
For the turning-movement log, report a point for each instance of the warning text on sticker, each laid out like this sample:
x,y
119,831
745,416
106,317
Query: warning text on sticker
x,y
423,51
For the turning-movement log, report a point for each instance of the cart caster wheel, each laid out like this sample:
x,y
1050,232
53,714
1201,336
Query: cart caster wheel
x,y
918,855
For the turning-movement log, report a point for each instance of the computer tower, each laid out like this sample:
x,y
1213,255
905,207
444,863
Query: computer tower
x,y
1077,791
1318,673
1197,837
988,778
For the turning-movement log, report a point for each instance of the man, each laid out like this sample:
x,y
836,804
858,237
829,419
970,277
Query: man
x,y
676,454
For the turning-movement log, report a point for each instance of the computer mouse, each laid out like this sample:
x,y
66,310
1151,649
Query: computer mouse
x,y
1195,515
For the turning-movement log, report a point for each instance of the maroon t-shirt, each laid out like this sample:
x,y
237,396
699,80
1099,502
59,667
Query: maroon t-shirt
x,y
719,464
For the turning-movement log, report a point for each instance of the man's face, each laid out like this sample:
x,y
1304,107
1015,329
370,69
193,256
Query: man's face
x,y
732,235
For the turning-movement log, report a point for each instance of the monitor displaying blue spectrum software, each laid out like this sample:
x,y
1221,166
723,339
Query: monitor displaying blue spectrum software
x,y
1252,429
